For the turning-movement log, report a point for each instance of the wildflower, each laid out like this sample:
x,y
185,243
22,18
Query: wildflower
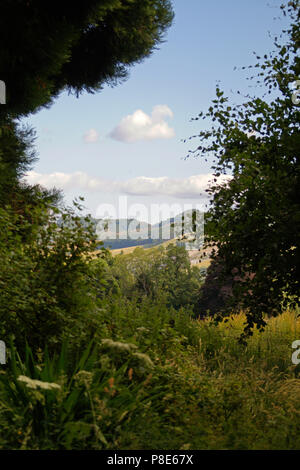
x,y
110,391
118,346
144,359
83,377
111,382
142,329
34,384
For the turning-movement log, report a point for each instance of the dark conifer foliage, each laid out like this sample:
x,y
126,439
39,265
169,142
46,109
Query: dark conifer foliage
x,y
46,47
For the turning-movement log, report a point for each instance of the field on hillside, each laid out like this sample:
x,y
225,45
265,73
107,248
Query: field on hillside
x,y
130,249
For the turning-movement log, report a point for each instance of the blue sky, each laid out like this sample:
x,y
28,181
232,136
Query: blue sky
x,y
109,144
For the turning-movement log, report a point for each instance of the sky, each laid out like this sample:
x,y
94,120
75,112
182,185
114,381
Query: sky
x,y
122,149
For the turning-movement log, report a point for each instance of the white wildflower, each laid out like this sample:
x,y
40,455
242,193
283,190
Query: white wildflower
x,y
143,329
144,358
118,346
83,377
34,384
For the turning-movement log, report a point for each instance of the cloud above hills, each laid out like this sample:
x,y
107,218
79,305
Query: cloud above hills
x,y
191,186
141,126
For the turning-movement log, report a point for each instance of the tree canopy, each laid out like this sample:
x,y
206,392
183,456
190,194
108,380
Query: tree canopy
x,y
47,47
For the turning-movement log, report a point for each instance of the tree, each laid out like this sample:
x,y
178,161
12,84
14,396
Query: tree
x,y
50,280
17,154
158,273
254,219
47,47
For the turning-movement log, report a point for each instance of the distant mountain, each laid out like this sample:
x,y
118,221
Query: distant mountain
x,y
122,233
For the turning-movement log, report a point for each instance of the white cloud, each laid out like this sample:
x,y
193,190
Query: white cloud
x,y
67,181
91,136
191,186
141,126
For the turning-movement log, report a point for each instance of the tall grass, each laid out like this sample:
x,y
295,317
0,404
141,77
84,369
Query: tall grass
x,y
270,348
162,381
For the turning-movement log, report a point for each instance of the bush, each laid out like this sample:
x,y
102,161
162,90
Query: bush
x,y
46,292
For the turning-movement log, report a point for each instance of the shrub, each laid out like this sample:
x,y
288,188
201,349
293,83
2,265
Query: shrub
x,y
46,291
